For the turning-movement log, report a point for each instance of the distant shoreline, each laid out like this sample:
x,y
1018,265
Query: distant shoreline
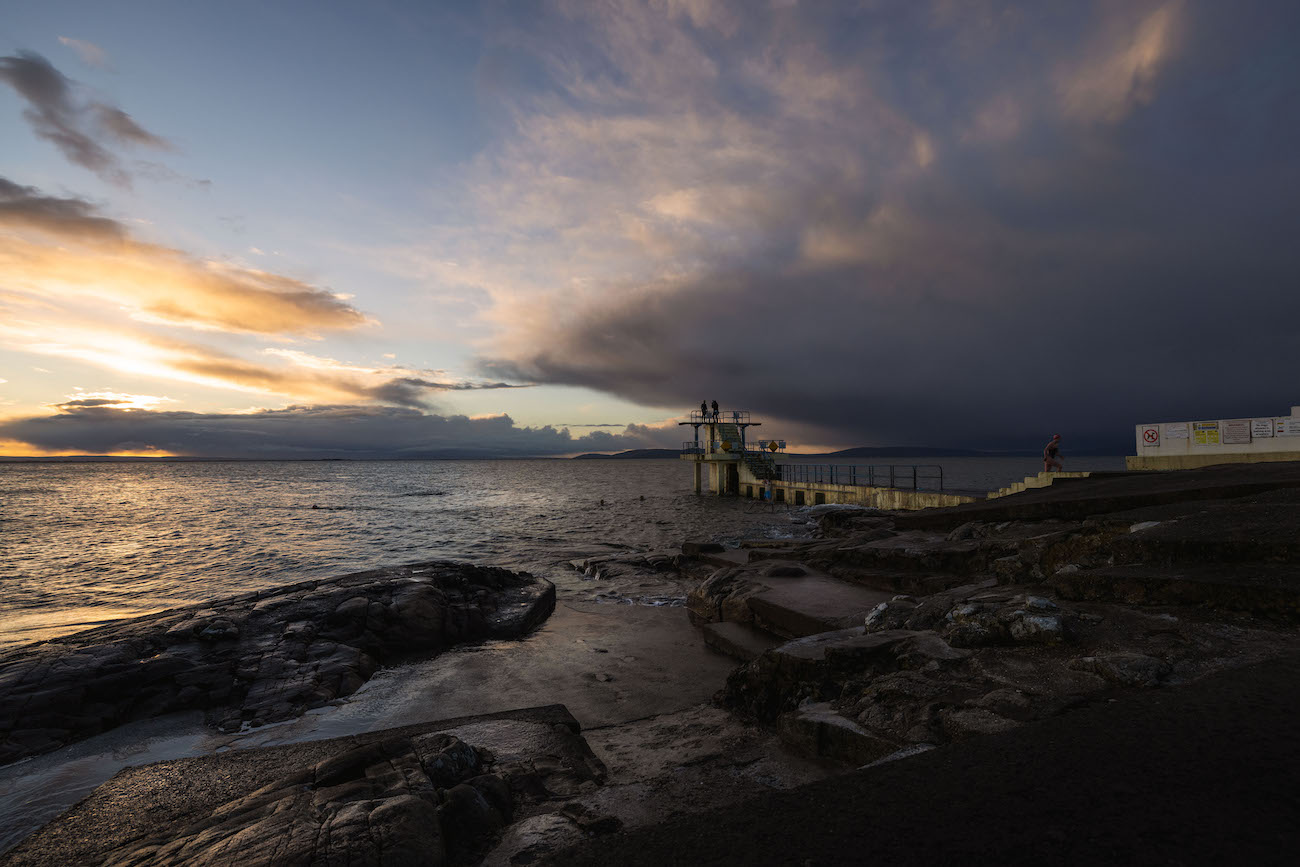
x,y
635,454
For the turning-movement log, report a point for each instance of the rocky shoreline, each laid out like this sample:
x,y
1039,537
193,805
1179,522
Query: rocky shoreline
x,y
980,623
256,658
886,638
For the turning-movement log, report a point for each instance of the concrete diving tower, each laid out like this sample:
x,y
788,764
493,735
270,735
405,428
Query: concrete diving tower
x,y
739,464
731,457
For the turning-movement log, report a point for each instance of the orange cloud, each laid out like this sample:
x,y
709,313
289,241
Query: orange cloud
x,y
62,248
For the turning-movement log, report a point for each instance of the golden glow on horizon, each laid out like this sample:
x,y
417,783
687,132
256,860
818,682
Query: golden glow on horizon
x,y
19,449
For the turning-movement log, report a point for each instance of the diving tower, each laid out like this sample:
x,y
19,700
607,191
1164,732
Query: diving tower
x,y
728,460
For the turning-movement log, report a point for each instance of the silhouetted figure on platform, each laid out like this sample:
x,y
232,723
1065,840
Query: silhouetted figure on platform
x,y
715,410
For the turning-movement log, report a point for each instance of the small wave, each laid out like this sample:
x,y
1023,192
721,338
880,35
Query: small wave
x,y
424,494
615,598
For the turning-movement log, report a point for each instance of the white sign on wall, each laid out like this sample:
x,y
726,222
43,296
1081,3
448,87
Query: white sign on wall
x,y
1288,427
1261,427
1176,430
1236,431
1150,435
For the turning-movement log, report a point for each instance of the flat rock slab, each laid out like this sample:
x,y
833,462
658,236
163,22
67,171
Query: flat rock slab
x,y
256,658
731,557
433,793
1269,589
1252,528
739,640
796,607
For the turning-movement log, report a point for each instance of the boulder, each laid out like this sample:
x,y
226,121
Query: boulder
x,y
256,658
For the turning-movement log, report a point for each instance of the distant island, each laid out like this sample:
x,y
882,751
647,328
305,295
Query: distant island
x,y
860,452
869,452
632,454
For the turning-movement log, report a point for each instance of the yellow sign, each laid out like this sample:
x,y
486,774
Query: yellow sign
x,y
772,446
1205,433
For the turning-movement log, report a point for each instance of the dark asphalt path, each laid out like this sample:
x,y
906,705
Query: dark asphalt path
x,y
1202,774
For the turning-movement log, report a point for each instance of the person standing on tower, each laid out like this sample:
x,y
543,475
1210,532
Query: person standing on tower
x,y
704,410
715,410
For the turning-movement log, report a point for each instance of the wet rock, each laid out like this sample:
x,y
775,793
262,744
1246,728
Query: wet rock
x,y
1125,669
816,729
1040,603
589,821
723,596
893,614
374,804
968,722
784,570
1027,628
529,840
256,658
969,530
1002,651
819,667
856,522
1005,620
434,793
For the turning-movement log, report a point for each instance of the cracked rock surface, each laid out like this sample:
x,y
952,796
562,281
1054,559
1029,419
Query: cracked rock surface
x,y
996,623
256,658
431,794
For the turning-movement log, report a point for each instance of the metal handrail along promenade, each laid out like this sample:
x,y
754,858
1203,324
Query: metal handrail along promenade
x,y
872,475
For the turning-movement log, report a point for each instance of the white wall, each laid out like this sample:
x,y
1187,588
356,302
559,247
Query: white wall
x,y
1211,437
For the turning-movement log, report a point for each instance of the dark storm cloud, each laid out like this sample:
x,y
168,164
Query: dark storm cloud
x,y
413,392
1073,218
309,432
74,127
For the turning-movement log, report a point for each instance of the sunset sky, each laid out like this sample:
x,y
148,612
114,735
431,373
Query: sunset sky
x,y
422,229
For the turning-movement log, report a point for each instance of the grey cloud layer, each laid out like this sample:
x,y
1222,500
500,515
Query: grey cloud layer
x,y
967,224
80,129
22,206
309,432
413,391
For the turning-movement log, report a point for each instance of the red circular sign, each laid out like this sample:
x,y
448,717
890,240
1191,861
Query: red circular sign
x,y
1151,435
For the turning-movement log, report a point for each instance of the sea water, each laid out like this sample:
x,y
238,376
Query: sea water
x,y
83,544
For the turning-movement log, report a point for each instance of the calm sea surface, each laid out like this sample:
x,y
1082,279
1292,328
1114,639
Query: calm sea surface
x,y
82,544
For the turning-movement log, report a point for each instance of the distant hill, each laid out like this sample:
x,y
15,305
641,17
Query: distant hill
x,y
633,454
870,452
902,451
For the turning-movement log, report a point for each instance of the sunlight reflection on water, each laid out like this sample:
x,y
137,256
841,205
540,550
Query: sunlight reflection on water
x,y
81,544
